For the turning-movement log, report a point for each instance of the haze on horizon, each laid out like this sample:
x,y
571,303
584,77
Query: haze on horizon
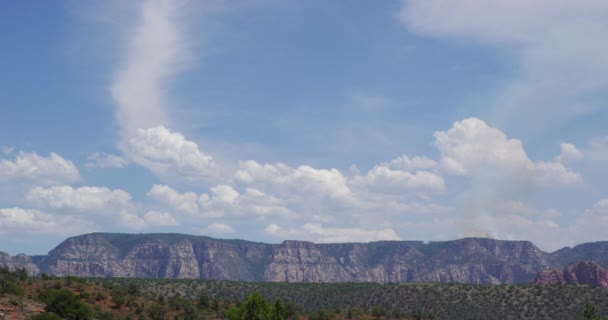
x,y
324,121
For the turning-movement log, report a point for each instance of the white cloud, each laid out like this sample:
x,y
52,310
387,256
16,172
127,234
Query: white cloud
x,y
163,219
155,52
218,229
183,202
222,200
554,173
568,153
169,155
130,220
21,221
224,194
559,44
471,147
320,234
406,163
29,167
262,204
385,180
304,179
105,207
103,160
83,199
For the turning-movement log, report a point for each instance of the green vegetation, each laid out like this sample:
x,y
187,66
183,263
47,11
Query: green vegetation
x,y
589,313
411,301
10,282
46,316
113,299
65,304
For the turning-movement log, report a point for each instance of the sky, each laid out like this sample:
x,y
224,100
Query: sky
x,y
325,121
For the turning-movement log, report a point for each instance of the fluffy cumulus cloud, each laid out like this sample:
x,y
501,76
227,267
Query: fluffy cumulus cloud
x,y
162,219
397,197
221,200
319,233
156,51
182,202
96,205
304,179
383,179
555,173
327,194
169,155
29,167
569,152
27,221
83,199
472,147
559,45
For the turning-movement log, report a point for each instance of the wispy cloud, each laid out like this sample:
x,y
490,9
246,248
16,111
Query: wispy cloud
x,y
155,52
558,46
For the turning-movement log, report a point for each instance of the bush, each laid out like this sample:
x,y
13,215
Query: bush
x,y
65,304
157,312
9,282
203,302
322,315
255,307
119,297
378,312
46,316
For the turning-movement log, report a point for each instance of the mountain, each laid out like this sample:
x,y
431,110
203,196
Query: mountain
x,y
583,272
469,260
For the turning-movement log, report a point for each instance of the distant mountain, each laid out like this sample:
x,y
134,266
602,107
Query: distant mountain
x,y
470,260
583,272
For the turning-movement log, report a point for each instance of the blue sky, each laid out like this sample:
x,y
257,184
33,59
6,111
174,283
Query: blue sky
x,y
314,120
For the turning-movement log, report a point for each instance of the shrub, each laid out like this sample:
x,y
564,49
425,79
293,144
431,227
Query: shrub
x,y
65,304
46,316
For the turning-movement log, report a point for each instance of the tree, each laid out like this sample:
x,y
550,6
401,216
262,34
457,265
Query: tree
x,y
255,307
66,305
291,311
354,313
378,312
157,311
203,301
322,315
279,311
589,312
119,297
133,289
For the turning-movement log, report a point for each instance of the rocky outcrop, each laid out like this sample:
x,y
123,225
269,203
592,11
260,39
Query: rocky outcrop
x,y
470,260
20,261
584,272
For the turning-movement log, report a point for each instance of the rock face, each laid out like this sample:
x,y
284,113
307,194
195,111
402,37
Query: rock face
x,y
470,260
584,272
19,261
